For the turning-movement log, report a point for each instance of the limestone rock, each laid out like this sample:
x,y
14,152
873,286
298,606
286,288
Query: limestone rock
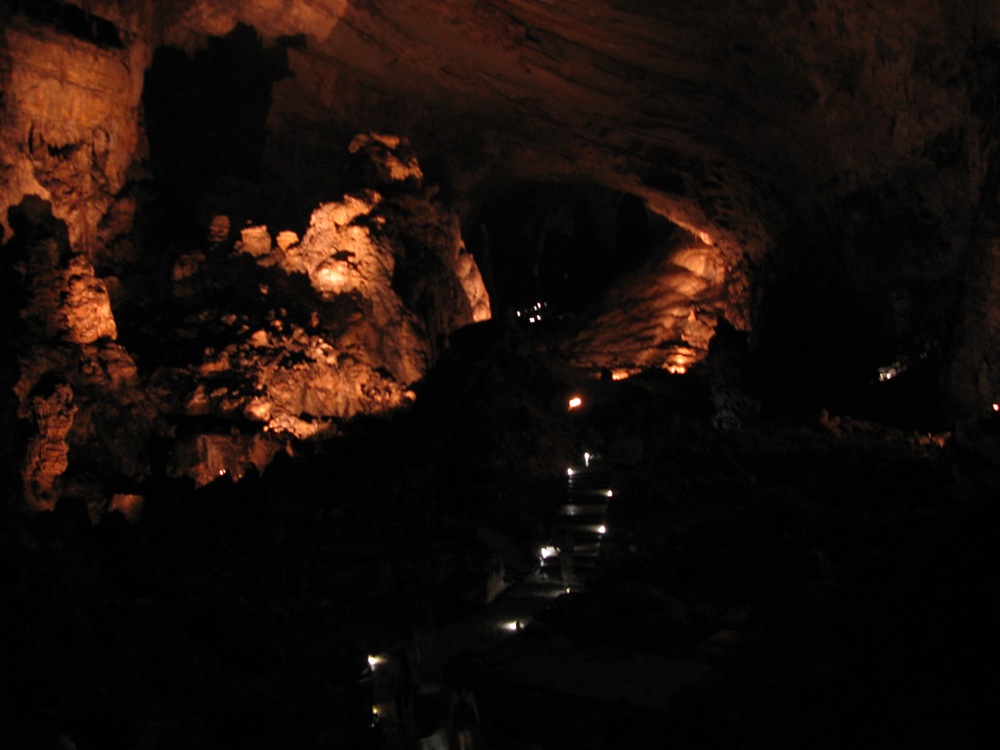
x,y
218,230
384,161
70,303
129,505
205,458
349,318
47,456
70,125
286,238
661,316
255,240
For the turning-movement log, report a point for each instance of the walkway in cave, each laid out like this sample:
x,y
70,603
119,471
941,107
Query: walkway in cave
x,y
505,635
579,525
565,564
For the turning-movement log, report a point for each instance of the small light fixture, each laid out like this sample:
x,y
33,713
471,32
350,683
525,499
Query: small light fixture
x,y
576,402
602,529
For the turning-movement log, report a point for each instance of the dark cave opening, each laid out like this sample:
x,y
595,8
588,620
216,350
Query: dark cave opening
x,y
855,317
205,120
561,244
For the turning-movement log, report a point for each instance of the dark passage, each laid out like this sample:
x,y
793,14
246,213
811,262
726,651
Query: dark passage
x,y
205,118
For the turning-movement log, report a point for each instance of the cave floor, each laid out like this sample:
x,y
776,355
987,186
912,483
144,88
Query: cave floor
x,y
783,585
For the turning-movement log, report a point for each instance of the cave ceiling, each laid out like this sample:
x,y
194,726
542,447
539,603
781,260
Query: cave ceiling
x,y
766,129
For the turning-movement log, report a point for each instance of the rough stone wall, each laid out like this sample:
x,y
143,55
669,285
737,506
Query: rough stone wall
x,y
860,128
69,115
290,338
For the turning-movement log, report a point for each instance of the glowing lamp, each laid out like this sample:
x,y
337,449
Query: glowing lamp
x,y
575,402
602,529
996,407
548,551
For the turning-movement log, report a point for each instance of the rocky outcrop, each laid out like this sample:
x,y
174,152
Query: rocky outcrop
x,y
662,316
295,337
70,109
786,135
79,392
316,331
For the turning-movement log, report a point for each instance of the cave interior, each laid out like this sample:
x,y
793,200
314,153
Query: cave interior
x,y
499,374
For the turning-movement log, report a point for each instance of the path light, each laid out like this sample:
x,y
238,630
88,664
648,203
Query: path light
x,y
569,472
374,661
602,529
586,459
576,402
548,551
513,626
610,493
996,407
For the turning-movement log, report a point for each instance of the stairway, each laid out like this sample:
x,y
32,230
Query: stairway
x,y
579,524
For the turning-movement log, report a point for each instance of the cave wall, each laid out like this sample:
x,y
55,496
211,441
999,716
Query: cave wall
x,y
789,137
70,109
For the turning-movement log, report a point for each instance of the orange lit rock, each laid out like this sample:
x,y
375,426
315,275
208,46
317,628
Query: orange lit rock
x,y
218,230
47,456
255,240
388,280
386,160
96,419
70,125
662,316
286,239
128,505
206,458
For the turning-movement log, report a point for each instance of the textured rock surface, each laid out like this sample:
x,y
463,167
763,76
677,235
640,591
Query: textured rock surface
x,y
296,339
832,133
70,113
661,316
341,323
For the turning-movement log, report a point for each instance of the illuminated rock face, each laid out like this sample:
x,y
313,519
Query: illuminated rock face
x,y
662,316
78,389
70,115
388,280
304,334
832,158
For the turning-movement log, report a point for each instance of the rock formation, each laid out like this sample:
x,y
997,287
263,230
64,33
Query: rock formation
x,y
248,434
788,135
308,334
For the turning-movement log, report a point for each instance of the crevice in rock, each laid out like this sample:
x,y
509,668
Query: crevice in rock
x,y
205,120
71,19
